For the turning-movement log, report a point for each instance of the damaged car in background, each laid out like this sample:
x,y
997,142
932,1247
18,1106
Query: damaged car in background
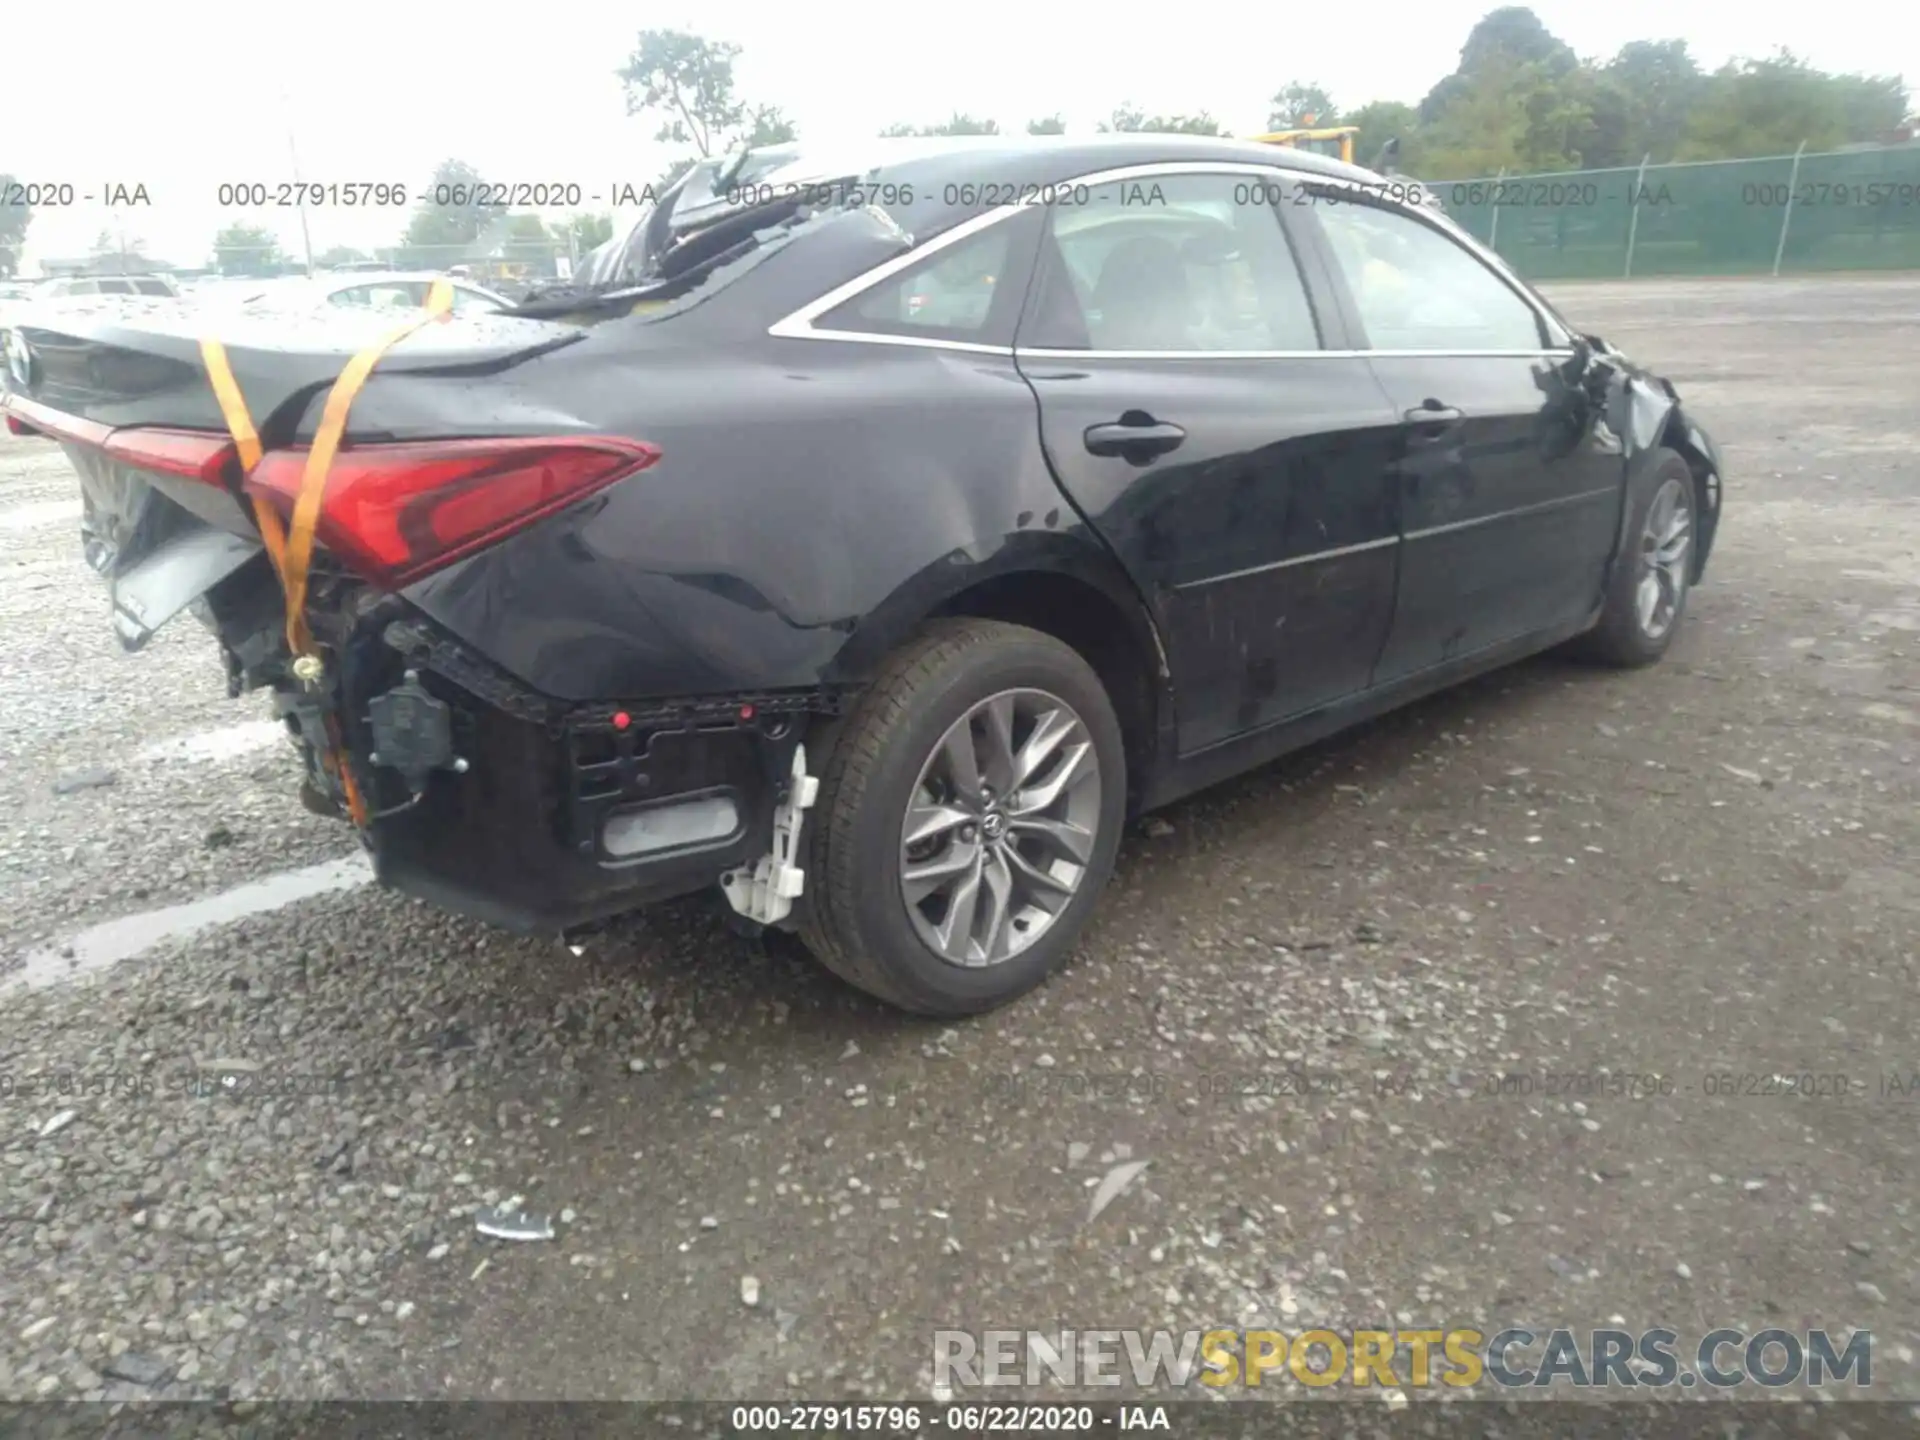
x,y
872,536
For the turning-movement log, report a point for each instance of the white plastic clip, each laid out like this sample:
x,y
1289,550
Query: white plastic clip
x,y
765,893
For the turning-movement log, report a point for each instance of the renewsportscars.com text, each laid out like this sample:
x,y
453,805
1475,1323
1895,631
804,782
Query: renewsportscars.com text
x,y
1456,1358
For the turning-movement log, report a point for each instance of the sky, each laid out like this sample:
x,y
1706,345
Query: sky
x,y
181,101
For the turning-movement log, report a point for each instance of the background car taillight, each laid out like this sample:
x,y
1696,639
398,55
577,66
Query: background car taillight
x,y
392,513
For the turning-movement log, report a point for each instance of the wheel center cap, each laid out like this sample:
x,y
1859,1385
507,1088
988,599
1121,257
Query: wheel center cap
x,y
993,825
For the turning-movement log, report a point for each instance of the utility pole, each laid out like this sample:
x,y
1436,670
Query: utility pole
x,y
1786,216
306,238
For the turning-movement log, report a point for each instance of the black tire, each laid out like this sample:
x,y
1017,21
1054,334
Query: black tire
x,y
1622,638
853,914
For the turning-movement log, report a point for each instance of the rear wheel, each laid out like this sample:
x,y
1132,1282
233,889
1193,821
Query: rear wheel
x,y
968,820
1648,592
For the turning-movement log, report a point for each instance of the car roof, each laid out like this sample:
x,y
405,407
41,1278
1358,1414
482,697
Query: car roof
x,y
954,156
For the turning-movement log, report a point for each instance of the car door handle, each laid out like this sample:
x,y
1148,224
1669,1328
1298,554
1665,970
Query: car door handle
x,y
1433,421
1138,441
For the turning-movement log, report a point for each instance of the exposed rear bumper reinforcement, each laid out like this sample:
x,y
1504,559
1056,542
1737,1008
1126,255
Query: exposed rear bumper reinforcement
x,y
764,893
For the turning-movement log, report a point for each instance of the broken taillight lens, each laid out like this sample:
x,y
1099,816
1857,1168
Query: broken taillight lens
x,y
393,513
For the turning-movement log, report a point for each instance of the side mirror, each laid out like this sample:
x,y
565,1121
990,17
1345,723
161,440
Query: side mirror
x,y
1389,153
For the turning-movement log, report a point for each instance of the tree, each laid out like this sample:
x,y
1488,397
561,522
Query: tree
x,y
687,83
959,124
14,220
769,126
1518,100
1298,106
1130,119
1502,41
670,177
1514,35
247,250
582,233
1765,107
446,221
525,239
1875,106
336,256
1384,120
1659,82
1047,125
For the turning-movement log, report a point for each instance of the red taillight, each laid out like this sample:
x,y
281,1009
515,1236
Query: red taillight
x,y
395,512
194,454
19,426
54,424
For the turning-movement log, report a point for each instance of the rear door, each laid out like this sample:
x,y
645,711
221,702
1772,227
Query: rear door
x,y
1220,434
1509,497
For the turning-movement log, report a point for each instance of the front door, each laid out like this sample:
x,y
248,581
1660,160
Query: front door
x,y
1241,471
1510,500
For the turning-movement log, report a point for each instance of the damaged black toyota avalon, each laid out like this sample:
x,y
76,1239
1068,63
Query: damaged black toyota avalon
x,y
872,536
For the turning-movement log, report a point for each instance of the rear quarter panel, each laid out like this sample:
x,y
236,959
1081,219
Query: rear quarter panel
x,y
815,498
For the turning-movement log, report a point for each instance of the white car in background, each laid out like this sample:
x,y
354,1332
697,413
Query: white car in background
x,y
382,290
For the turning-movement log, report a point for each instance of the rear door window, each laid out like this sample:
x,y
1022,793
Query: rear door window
x,y
1175,264
951,295
153,287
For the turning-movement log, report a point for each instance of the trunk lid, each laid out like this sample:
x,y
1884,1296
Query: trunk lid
x,y
82,370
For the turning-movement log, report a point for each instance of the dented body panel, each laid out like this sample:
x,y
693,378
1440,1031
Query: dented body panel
x,y
1308,555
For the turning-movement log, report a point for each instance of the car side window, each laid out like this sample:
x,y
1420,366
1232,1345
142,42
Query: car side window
x,y
1181,264
116,287
395,295
465,300
948,296
1417,289
153,287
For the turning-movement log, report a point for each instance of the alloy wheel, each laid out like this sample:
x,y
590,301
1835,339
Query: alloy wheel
x,y
1000,827
1665,548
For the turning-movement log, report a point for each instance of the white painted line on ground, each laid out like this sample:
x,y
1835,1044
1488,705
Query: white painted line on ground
x,y
223,744
122,939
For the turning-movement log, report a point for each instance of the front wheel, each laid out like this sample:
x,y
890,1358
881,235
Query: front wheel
x,y
1648,592
968,820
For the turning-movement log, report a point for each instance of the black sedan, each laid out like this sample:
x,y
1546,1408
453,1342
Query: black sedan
x,y
873,535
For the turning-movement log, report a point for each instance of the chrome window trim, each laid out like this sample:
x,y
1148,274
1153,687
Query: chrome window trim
x,y
799,325
1056,354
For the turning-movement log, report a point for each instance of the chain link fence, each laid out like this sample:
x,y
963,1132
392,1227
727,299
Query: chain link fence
x,y
1781,214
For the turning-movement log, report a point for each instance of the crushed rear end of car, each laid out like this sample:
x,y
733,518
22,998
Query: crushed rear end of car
x,y
469,787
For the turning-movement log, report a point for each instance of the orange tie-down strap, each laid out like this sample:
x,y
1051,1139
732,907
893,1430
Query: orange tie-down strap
x,y
290,547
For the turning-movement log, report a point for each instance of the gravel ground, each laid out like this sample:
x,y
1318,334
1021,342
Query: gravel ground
x,y
1702,869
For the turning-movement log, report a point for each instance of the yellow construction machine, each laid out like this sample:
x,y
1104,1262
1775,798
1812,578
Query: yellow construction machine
x,y
1334,140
